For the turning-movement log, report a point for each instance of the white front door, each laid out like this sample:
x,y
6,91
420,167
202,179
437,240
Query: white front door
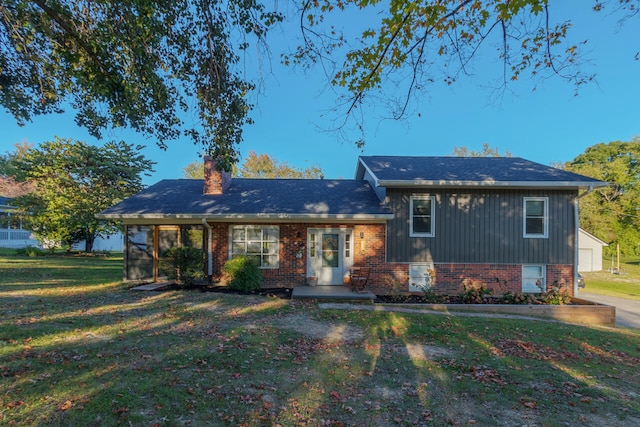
x,y
330,254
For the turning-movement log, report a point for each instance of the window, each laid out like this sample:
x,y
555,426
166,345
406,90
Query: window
x,y
347,245
258,242
421,216
536,222
533,278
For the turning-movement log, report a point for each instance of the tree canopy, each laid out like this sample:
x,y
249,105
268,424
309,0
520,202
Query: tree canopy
x,y
612,213
259,166
151,65
403,47
138,64
72,181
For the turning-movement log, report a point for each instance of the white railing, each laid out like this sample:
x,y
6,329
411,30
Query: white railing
x,y
15,235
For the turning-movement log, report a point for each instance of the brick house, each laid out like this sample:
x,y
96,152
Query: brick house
x,y
416,221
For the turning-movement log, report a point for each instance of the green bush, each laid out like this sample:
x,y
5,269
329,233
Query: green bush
x,y
242,274
556,295
184,264
31,251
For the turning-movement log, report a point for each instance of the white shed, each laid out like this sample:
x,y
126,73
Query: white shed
x,y
589,251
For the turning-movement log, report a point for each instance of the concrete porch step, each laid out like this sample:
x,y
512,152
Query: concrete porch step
x,y
334,293
156,286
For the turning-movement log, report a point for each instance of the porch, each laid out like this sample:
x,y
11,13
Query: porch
x,y
334,293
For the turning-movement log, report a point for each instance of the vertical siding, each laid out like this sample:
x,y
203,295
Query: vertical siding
x,y
474,226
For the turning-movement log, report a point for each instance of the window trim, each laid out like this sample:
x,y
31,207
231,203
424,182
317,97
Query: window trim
x,y
245,227
545,218
543,278
432,232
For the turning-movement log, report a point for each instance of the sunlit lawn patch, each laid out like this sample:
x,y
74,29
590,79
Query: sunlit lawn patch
x,y
623,285
84,350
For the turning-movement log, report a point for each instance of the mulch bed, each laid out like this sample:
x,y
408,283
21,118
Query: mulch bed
x,y
282,293
285,293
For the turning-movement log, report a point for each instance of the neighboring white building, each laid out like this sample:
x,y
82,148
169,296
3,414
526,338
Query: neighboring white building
x,y
589,252
113,242
12,235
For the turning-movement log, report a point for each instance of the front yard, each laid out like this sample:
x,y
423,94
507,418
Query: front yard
x,y
77,347
626,284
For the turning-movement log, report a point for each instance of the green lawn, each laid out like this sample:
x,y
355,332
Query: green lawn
x,y
77,348
623,285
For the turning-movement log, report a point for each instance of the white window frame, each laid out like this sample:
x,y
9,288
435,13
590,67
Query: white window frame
x,y
430,233
262,241
529,280
545,218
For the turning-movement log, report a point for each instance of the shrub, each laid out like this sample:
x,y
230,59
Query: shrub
x,y
31,251
474,294
556,295
242,274
184,264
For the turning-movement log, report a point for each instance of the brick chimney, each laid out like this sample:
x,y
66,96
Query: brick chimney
x,y
215,181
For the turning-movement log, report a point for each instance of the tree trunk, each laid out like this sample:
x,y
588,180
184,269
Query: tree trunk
x,y
88,243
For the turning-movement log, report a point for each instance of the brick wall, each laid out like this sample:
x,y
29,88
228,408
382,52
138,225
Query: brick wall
x,y
451,278
386,278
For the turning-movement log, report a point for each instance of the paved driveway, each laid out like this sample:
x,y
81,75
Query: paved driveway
x,y
627,310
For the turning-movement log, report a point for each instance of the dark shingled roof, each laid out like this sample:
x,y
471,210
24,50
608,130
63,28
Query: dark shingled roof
x,y
389,170
268,198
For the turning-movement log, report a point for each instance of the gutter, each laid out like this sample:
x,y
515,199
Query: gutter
x,y
490,183
209,252
281,217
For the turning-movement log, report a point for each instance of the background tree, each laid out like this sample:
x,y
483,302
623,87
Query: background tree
x,y
9,187
265,166
259,166
487,151
72,182
194,170
134,63
612,213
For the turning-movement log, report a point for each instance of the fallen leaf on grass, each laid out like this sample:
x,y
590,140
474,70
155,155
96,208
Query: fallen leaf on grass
x,y
15,404
531,404
65,406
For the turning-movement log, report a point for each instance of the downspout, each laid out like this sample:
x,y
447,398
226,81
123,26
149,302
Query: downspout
x,y
209,252
576,249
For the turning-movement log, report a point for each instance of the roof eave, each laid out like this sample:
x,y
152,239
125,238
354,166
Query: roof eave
x,y
280,217
492,184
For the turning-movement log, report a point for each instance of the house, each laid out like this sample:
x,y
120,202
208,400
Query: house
x,y
12,233
438,222
589,252
109,243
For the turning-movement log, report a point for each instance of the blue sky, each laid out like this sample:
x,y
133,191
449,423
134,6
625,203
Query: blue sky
x,y
548,125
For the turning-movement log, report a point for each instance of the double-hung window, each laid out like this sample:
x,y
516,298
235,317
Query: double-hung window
x,y
536,217
259,242
421,212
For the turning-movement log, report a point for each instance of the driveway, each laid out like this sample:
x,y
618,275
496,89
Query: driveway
x,y
627,310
